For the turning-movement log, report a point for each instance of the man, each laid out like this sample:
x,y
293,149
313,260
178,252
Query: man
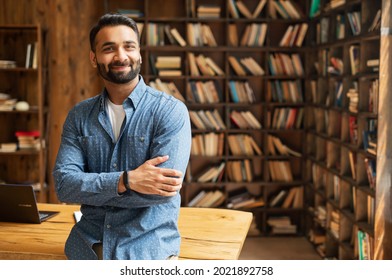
x,y
122,157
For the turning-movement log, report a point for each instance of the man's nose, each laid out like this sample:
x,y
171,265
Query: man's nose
x,y
121,55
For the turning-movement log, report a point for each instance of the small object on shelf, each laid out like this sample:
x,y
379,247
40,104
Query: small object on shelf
x,y
6,102
7,64
22,106
8,147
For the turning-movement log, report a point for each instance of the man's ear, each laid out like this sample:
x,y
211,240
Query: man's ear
x,y
93,59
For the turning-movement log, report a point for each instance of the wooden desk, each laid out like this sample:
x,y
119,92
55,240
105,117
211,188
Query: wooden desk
x,y
206,234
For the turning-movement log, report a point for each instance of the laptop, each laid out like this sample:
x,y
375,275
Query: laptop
x,y
18,204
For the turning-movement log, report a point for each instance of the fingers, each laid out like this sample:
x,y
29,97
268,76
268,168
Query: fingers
x,y
149,179
163,193
157,160
170,172
166,190
164,171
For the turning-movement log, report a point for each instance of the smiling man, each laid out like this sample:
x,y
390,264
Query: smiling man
x,y
123,155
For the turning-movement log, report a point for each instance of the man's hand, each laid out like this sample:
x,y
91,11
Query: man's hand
x,y
149,179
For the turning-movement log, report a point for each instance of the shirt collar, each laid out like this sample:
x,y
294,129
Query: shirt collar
x,y
135,96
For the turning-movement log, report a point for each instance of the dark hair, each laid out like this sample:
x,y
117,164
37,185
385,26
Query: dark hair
x,y
112,20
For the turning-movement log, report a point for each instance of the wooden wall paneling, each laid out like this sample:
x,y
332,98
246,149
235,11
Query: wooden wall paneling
x,y
383,217
71,76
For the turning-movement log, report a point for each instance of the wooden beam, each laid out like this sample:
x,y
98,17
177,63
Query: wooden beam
x,y
383,213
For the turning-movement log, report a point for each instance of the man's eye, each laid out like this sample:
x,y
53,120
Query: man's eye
x,y
130,47
107,49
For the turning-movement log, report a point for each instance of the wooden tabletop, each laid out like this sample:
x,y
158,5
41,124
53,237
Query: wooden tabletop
x,y
206,234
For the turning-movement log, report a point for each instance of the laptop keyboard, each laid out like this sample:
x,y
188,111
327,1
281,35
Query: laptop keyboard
x,y
43,216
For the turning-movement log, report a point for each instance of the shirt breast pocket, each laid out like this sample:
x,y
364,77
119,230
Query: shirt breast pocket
x,y
138,150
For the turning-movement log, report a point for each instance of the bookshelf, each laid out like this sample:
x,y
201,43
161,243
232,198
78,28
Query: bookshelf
x,y
22,113
341,119
255,85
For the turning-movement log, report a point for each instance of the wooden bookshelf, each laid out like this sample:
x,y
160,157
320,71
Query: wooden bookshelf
x,y
23,159
341,118
276,100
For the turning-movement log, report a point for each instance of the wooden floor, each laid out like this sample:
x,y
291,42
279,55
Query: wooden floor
x,y
278,248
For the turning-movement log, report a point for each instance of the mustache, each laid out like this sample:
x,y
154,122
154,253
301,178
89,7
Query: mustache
x,y
119,63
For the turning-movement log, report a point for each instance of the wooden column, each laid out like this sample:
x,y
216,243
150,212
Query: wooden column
x,y
383,216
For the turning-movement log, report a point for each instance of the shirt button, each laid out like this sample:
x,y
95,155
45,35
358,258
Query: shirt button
x,y
108,226
114,165
141,139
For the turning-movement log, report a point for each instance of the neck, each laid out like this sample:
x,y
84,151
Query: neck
x,y
119,92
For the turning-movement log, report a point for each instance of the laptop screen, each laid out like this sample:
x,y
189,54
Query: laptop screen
x,y
18,204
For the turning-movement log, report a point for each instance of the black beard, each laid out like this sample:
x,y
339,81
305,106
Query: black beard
x,y
119,78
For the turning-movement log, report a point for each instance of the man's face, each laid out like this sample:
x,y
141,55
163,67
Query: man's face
x,y
117,54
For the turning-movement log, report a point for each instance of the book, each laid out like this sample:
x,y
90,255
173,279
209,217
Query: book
x,y
208,11
233,9
290,9
169,35
314,8
211,199
364,246
370,166
204,68
373,62
376,23
167,72
279,221
218,71
208,36
154,70
167,87
168,62
34,56
237,118
194,70
28,53
259,8
211,173
177,36
233,35
253,67
251,203
243,9
288,201
132,13
286,36
196,199
354,59
288,229
280,171
281,225
278,9
278,198
354,19
340,26
301,34
8,147
236,66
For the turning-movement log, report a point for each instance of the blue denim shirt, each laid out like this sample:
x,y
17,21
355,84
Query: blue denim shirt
x,y
89,164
